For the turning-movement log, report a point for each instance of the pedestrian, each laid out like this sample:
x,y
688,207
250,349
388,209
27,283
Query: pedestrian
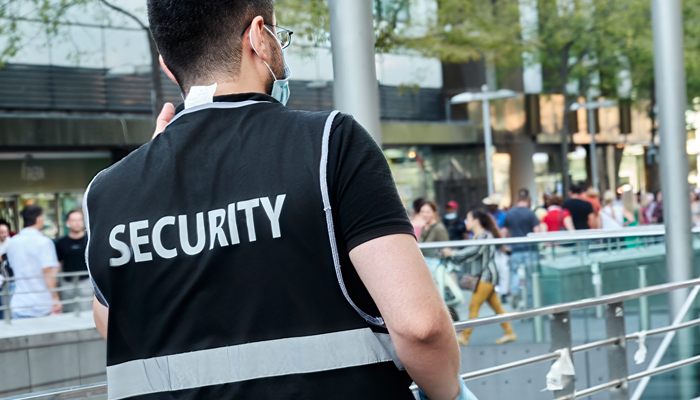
x,y
647,211
493,207
632,208
454,225
414,216
557,218
658,213
480,261
613,213
4,236
519,222
5,271
33,259
433,230
695,205
70,250
216,248
582,212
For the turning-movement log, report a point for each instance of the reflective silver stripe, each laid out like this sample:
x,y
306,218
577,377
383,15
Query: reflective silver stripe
x,y
378,321
244,362
217,105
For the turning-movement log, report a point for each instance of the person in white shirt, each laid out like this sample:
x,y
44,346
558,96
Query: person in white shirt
x,y
613,213
32,255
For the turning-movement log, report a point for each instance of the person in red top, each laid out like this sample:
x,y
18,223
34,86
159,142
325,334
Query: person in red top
x,y
557,218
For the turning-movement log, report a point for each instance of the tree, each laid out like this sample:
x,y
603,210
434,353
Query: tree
x,y
581,44
157,88
50,14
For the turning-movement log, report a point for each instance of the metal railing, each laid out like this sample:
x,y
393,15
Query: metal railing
x,y
613,312
561,341
616,340
62,286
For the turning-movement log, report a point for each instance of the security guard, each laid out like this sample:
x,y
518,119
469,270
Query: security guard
x,y
255,252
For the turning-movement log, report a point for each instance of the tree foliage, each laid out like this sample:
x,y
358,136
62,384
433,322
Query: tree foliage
x,y
46,12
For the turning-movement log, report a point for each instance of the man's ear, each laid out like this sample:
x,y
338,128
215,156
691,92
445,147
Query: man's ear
x,y
258,38
167,70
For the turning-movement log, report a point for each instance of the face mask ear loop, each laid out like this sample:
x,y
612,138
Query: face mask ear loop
x,y
258,54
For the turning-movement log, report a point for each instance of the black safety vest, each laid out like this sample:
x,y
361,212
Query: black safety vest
x,y
215,249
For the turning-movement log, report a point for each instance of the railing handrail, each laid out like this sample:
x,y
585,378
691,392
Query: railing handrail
x,y
591,234
56,275
577,305
92,389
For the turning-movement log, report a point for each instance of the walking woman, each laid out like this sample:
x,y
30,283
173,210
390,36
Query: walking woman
x,y
479,261
433,230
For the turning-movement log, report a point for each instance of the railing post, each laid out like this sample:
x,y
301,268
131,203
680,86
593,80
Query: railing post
x,y
643,301
617,353
597,280
522,275
561,338
537,303
76,296
6,301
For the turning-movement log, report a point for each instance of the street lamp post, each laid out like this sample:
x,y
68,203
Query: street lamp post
x,y
485,96
591,106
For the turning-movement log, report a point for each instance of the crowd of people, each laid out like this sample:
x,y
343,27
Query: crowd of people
x,y
34,260
498,273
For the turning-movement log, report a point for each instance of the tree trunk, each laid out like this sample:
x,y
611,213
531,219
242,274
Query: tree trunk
x,y
157,97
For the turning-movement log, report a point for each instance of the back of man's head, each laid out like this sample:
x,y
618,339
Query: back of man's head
x,y
200,40
576,189
523,195
30,214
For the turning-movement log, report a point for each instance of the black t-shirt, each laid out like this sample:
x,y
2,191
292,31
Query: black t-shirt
x,y
362,187
72,253
580,210
455,228
215,235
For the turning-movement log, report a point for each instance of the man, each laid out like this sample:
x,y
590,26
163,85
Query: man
x,y
520,220
33,255
216,249
493,207
582,213
4,236
454,225
71,255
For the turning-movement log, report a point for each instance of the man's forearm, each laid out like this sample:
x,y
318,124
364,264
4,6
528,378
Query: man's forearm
x,y
51,284
433,363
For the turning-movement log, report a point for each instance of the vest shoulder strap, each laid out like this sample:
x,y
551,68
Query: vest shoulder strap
x,y
378,321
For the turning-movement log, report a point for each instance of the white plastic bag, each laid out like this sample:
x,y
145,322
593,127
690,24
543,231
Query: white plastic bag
x,y
563,366
641,353
502,261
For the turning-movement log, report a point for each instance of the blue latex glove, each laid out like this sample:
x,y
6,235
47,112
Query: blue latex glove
x,y
464,393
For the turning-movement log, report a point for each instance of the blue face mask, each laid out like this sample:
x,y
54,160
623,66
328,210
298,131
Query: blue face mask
x,y
280,89
451,216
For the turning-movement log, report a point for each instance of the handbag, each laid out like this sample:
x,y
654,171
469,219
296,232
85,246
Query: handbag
x,y
469,282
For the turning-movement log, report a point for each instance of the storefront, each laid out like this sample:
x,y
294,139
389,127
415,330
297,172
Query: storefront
x,y
56,181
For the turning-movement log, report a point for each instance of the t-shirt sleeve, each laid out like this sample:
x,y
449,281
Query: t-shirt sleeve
x,y
364,197
566,213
